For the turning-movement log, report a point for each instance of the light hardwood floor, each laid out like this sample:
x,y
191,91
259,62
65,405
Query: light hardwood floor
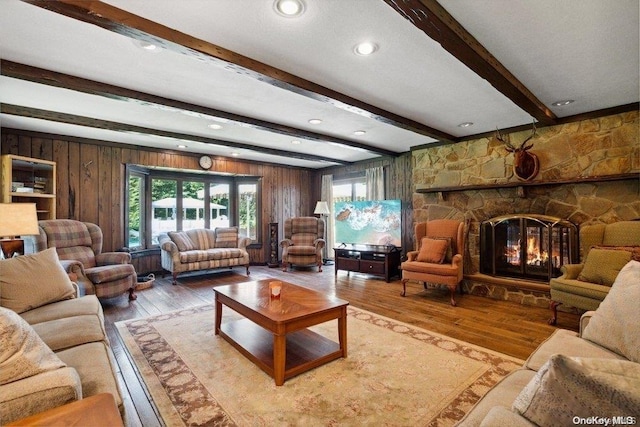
x,y
502,326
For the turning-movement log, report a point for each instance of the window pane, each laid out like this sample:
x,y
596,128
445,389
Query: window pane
x,y
192,205
136,212
163,204
360,191
248,210
219,204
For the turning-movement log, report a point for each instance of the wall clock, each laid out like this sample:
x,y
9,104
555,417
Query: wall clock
x,y
205,162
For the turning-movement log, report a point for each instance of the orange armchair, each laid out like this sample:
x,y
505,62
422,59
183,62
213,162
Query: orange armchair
x,y
439,255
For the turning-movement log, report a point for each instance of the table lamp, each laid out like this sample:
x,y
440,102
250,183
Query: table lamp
x,y
322,209
16,219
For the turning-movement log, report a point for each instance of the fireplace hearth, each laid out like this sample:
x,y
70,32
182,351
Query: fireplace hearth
x,y
527,246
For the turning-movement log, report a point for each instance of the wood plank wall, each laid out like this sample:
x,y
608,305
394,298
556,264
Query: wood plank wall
x,y
90,183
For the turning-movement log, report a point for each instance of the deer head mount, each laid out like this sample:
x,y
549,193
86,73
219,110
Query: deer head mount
x,y
525,164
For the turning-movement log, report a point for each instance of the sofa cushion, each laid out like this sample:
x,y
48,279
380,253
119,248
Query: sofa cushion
x,y
565,388
432,250
33,280
71,331
610,325
211,255
202,238
227,237
22,352
503,416
182,240
634,250
603,265
109,273
87,304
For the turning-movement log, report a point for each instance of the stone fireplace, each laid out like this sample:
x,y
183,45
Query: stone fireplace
x,y
527,246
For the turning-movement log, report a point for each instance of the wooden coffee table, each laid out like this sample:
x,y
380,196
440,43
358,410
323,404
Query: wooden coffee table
x,y
274,333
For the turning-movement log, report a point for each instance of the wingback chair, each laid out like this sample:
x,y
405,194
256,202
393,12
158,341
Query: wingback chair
x,y
79,247
439,255
303,242
605,249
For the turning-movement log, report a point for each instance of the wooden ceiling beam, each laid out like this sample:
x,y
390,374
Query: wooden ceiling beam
x,y
431,18
73,119
91,87
133,26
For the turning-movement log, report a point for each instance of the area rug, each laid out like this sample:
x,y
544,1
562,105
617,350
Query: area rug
x,y
394,375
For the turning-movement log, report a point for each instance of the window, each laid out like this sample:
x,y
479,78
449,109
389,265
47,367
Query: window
x,y
351,189
162,201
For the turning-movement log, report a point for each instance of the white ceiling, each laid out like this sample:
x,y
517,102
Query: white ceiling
x,y
585,50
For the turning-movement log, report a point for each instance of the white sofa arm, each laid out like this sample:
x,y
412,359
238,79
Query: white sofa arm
x,y
584,320
38,393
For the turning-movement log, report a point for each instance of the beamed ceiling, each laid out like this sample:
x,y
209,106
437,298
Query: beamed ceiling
x,y
78,68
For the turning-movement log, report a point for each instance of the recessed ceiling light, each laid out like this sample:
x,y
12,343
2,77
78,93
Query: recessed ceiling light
x,y
359,132
234,154
315,121
465,125
563,103
295,142
214,126
365,48
289,8
182,146
148,46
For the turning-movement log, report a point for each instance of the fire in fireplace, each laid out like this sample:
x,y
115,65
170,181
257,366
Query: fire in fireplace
x,y
527,246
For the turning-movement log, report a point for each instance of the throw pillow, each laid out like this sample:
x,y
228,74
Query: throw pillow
x,y
30,281
614,324
227,237
22,352
432,250
565,388
182,241
603,265
635,250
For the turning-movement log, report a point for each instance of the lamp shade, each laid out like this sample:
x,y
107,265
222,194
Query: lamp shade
x,y
322,208
18,219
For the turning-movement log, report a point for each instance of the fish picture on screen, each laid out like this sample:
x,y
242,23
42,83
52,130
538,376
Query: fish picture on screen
x,y
371,222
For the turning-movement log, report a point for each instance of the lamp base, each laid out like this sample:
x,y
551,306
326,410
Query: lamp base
x,y
12,247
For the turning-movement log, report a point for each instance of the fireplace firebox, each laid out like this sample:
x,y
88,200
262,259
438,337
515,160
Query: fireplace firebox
x,y
527,246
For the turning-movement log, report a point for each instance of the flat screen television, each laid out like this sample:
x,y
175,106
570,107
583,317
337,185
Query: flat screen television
x,y
371,222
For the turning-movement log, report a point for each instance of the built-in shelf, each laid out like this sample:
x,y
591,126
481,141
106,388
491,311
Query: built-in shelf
x,y
524,184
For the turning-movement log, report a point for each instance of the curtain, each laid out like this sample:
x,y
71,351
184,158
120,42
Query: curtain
x,y
326,194
375,183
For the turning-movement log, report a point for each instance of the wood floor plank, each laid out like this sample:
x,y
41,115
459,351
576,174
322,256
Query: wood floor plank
x,y
501,326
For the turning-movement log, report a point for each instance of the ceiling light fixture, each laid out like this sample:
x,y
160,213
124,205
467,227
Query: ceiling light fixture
x,y
315,121
148,46
359,132
465,125
182,146
365,48
234,154
214,126
295,142
563,103
289,8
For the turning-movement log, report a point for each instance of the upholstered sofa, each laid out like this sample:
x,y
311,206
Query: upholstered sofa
x,y
203,249
575,376
53,346
605,249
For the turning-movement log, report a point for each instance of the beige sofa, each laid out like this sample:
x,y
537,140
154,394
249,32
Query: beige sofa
x,y
605,249
53,345
595,372
203,249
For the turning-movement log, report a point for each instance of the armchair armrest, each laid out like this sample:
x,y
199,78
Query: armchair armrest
x,y
76,273
412,255
571,271
111,258
319,243
456,260
286,242
243,242
584,320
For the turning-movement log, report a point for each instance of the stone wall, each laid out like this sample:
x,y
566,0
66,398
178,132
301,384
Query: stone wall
x,y
604,147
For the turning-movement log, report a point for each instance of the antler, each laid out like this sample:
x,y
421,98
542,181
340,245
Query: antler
x,y
510,148
533,133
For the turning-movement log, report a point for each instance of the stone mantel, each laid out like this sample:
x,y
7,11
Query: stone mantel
x,y
619,177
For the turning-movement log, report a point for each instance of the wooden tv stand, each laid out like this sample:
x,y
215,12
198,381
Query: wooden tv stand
x,y
379,260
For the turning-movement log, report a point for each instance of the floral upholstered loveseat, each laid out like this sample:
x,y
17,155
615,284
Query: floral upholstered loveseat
x,y
203,249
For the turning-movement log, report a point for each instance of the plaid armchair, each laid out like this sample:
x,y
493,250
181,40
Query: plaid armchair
x,y
303,241
79,247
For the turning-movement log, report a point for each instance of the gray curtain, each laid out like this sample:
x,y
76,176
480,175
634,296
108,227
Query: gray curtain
x,y
326,194
375,183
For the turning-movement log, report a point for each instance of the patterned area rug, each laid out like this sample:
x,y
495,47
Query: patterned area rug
x,y
395,375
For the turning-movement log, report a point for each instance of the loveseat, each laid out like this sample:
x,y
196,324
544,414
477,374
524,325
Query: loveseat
x,y
203,249
605,249
572,377
53,346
